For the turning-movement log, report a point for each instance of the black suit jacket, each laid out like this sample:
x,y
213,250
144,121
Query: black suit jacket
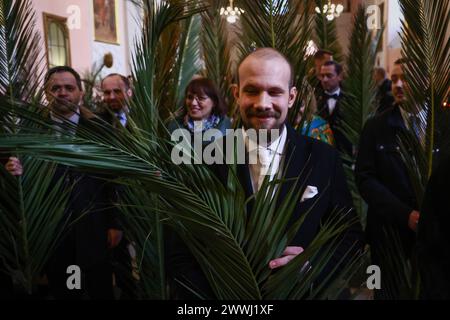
x,y
91,207
383,180
433,238
322,166
110,117
334,120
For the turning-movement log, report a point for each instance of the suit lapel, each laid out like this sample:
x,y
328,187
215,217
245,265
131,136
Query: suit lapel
x,y
243,173
324,111
295,162
323,108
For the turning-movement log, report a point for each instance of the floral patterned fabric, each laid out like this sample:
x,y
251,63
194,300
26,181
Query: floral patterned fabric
x,y
318,129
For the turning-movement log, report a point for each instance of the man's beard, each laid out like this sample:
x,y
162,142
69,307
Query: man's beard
x,y
252,113
256,113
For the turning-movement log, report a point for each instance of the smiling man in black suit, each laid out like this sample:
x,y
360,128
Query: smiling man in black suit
x,y
264,93
384,183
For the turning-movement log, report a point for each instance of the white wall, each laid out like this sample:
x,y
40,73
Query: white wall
x,y
134,27
85,51
80,38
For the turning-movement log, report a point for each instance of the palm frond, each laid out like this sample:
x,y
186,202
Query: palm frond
x,y
400,274
358,104
426,49
31,216
189,60
155,58
143,227
233,248
21,53
217,50
359,83
326,34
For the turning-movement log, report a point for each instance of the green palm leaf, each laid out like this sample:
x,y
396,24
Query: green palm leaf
x,y
426,47
358,104
143,227
21,51
160,66
210,218
326,34
233,251
217,47
31,211
31,205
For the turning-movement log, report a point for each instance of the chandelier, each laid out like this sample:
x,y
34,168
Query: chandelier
x,y
331,10
231,12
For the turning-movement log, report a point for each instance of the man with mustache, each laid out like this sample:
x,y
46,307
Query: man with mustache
x,y
264,94
384,183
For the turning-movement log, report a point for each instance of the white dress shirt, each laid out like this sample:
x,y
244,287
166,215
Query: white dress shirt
x,y
269,158
332,102
75,118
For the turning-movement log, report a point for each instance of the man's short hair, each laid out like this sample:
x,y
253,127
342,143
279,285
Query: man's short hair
x,y
269,53
400,61
125,80
380,72
61,69
320,54
336,65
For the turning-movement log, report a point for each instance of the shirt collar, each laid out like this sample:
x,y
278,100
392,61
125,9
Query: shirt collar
x,y
407,115
337,91
74,118
276,146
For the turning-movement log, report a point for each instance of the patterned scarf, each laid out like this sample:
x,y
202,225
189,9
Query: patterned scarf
x,y
199,126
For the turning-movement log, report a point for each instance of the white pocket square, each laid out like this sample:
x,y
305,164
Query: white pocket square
x,y
309,193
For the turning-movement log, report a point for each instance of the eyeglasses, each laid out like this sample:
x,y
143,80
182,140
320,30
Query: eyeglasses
x,y
199,98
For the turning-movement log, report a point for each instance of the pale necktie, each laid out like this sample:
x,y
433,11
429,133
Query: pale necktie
x,y
265,157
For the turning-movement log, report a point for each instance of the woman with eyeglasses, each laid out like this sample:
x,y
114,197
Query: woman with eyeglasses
x,y
204,109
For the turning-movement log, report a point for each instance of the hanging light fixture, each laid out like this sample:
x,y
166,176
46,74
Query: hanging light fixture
x,y
231,12
331,10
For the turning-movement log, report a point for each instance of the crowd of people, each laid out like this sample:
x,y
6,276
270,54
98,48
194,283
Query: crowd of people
x,y
264,94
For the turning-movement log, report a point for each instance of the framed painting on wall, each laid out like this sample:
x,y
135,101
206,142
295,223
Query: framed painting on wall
x,y
105,21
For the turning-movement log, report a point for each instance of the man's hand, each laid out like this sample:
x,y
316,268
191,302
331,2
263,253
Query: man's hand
x,y
114,237
288,254
14,167
413,220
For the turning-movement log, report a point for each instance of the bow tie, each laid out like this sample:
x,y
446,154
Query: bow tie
x,y
331,96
